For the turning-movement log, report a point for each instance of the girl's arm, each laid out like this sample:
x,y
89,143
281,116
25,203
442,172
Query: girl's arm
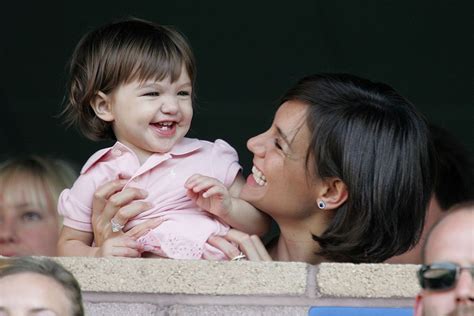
x,y
211,195
74,242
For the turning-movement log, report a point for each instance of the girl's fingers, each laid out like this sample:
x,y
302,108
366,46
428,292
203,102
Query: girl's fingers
x,y
192,180
125,252
213,191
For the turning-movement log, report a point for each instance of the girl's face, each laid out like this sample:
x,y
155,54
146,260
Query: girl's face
x,y
29,223
280,184
152,116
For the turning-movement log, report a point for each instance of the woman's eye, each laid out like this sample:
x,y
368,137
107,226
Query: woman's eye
x,y
31,216
277,144
184,93
152,94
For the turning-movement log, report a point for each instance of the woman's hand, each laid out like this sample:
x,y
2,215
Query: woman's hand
x,y
111,203
251,245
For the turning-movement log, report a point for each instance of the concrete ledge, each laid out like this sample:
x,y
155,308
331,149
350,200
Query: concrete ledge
x,y
193,287
188,276
367,280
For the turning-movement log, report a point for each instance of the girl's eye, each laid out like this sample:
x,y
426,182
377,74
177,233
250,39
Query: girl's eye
x,y
31,216
152,94
184,93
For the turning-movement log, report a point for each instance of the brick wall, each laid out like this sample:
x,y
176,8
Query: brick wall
x,y
115,286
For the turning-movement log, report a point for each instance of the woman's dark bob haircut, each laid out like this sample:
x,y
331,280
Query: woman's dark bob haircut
x,y
378,144
118,53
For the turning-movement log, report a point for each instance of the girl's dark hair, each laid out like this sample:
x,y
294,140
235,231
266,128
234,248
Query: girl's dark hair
x,y
378,144
117,53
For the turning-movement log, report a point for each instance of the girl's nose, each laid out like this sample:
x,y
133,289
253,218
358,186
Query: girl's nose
x,y
169,105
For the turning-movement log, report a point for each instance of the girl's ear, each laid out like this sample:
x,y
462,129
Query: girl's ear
x,y
333,193
102,106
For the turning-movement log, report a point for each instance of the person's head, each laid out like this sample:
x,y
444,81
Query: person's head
x,y
132,81
447,275
454,184
33,286
30,188
455,178
351,153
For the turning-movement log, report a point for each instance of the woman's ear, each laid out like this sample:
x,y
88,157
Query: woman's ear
x,y
102,106
334,193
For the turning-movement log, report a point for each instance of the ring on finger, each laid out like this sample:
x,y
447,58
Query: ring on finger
x,y
239,257
116,227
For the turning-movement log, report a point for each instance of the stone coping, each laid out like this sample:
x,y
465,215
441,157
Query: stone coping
x,y
243,278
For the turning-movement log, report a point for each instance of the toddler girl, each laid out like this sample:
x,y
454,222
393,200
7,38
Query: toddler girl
x,y
132,81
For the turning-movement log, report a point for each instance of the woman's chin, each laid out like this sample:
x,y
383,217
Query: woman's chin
x,y
252,191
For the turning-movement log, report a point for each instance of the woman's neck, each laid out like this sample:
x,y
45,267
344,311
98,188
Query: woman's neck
x,y
296,242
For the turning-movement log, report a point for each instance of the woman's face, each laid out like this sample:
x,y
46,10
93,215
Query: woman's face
x,y
28,226
280,183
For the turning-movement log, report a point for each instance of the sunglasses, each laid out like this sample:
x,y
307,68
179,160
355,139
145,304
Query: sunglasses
x,y
441,276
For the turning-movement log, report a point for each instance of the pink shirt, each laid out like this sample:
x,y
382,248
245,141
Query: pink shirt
x,y
163,176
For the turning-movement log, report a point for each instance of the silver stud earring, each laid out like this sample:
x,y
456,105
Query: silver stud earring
x,y
321,204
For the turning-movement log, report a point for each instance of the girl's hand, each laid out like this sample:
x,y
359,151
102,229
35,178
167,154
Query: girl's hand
x,y
110,202
250,245
119,246
209,194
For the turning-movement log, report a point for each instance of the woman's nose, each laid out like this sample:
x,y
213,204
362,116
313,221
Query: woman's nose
x,y
8,233
465,287
256,145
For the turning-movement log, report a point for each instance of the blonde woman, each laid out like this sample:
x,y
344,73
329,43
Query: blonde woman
x,y
29,191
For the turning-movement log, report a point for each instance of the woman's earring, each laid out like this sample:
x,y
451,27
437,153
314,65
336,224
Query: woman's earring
x,y
321,204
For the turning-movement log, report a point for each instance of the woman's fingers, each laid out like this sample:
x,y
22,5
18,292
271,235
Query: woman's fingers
x,y
104,192
142,228
261,249
120,199
251,246
223,245
125,213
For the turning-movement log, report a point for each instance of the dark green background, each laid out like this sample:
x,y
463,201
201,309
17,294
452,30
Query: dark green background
x,y
248,54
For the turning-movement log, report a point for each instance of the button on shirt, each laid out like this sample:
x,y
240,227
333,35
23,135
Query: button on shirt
x,y
162,175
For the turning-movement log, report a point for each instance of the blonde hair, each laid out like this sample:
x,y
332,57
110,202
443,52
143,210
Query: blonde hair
x,y
36,179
